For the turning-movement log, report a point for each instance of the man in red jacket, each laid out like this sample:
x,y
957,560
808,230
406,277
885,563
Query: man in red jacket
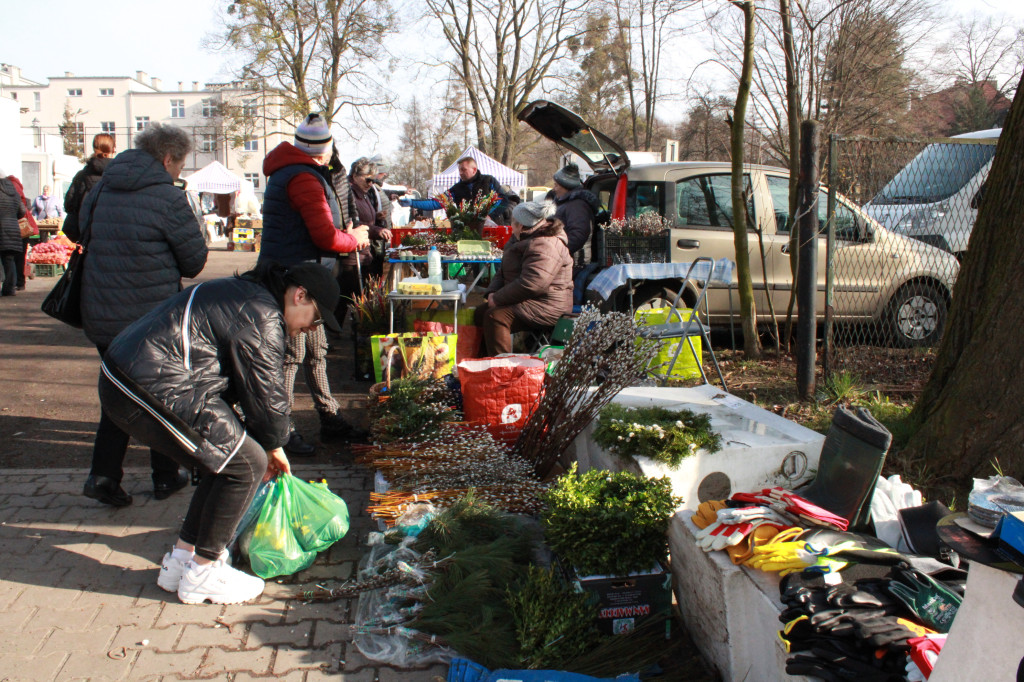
x,y
302,222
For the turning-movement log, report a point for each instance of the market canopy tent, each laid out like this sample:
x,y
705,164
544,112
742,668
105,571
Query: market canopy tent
x,y
488,166
217,179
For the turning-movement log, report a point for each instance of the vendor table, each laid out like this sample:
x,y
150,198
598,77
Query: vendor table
x,y
453,297
397,271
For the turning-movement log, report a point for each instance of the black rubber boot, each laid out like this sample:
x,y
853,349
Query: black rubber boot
x,y
851,460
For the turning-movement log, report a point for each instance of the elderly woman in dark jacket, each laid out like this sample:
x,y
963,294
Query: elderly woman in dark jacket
x,y
143,239
533,286
172,380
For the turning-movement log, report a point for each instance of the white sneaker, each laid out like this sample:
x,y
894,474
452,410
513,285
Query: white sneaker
x,y
218,583
171,569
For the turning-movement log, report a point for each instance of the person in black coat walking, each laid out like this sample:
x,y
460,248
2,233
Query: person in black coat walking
x,y
174,380
11,211
143,238
103,150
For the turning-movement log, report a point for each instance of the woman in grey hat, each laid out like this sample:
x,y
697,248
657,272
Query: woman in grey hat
x,y
533,286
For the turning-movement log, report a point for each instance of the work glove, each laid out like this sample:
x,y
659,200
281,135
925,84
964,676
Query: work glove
x,y
783,500
786,557
923,653
707,513
887,632
831,663
742,551
869,593
931,602
733,525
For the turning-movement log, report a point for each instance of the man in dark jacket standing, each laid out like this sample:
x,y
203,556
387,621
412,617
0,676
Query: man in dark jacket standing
x,y
575,207
302,221
143,239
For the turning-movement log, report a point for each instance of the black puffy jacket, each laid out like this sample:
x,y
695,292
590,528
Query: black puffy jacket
x,y
84,180
576,210
11,210
144,239
198,353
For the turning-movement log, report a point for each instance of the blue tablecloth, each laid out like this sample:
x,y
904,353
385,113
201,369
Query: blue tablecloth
x,y
613,277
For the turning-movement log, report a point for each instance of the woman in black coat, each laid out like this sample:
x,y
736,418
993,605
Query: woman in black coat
x,y
173,380
11,210
103,150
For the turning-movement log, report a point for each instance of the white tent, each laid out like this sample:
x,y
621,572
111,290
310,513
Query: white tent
x,y
217,179
488,166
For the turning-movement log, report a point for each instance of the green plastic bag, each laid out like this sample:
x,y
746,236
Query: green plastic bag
x,y
274,549
319,517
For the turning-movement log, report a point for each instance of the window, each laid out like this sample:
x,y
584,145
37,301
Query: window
x,y
207,142
74,92
177,108
254,178
37,101
108,127
208,108
106,92
645,197
250,144
141,122
250,109
707,200
846,219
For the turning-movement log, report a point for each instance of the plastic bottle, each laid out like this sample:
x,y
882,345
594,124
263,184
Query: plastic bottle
x,y
434,266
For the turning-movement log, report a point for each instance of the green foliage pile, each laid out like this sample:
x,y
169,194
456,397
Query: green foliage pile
x,y
664,435
414,407
609,523
552,622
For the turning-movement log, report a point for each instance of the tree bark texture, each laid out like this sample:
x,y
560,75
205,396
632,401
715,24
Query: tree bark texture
x,y
969,414
748,313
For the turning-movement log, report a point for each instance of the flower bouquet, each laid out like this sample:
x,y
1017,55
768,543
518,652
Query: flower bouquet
x,y
467,217
639,239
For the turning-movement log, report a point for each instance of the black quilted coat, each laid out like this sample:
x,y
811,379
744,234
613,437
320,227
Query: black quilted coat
x,y
145,238
213,345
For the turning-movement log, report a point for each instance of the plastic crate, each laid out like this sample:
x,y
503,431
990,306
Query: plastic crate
x,y
48,269
621,249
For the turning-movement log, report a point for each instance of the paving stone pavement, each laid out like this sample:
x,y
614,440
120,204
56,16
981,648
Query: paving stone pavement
x,y
79,600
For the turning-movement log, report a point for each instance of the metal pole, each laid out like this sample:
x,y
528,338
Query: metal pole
x,y
807,270
830,250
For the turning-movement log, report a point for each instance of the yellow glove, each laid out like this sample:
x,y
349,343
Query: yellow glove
x,y
707,513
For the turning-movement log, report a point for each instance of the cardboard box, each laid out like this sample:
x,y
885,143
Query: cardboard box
x,y
624,603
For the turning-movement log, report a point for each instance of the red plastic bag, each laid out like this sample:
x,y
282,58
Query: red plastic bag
x,y
501,393
467,345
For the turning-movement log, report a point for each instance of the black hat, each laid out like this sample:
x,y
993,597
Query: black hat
x,y
568,176
321,287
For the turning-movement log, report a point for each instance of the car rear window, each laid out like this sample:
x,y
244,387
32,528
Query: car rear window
x,y
707,200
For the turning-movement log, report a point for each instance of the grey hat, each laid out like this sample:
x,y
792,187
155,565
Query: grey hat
x,y
530,213
569,176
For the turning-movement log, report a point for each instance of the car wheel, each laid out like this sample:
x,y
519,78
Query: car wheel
x,y
649,296
916,316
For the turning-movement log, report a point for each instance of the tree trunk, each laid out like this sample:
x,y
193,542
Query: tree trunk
x,y
969,412
793,116
748,313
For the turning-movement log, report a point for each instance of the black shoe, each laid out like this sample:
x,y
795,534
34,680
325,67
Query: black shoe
x,y
333,426
107,491
164,488
297,447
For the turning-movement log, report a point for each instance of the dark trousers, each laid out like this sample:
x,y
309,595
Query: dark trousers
x,y
20,262
10,268
348,282
221,498
111,445
498,324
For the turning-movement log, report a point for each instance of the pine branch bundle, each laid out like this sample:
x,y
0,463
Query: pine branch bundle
x,y
603,351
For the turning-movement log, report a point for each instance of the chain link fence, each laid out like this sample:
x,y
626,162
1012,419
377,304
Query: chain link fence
x,y
891,287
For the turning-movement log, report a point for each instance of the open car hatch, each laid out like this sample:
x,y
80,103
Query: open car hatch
x,y
571,132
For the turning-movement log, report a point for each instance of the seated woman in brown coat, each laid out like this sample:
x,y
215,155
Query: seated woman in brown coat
x,y
533,286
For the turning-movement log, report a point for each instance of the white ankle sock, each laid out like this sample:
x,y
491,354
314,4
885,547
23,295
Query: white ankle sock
x,y
182,555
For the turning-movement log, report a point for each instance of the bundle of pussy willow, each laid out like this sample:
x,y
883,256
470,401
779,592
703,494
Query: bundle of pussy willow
x,y
443,466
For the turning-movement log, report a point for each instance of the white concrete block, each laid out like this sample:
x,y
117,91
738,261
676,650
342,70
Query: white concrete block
x,y
760,449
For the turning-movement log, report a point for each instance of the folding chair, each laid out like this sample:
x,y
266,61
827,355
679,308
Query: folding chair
x,y
684,329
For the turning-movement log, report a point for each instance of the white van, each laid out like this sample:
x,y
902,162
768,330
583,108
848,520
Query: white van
x,y
935,197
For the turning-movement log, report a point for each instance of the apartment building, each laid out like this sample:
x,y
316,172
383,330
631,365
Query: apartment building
x,y
229,123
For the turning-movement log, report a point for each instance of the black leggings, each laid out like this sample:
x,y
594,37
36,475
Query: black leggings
x,y
221,498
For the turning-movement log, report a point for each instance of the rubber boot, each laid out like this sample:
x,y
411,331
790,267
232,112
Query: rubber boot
x,y
851,460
